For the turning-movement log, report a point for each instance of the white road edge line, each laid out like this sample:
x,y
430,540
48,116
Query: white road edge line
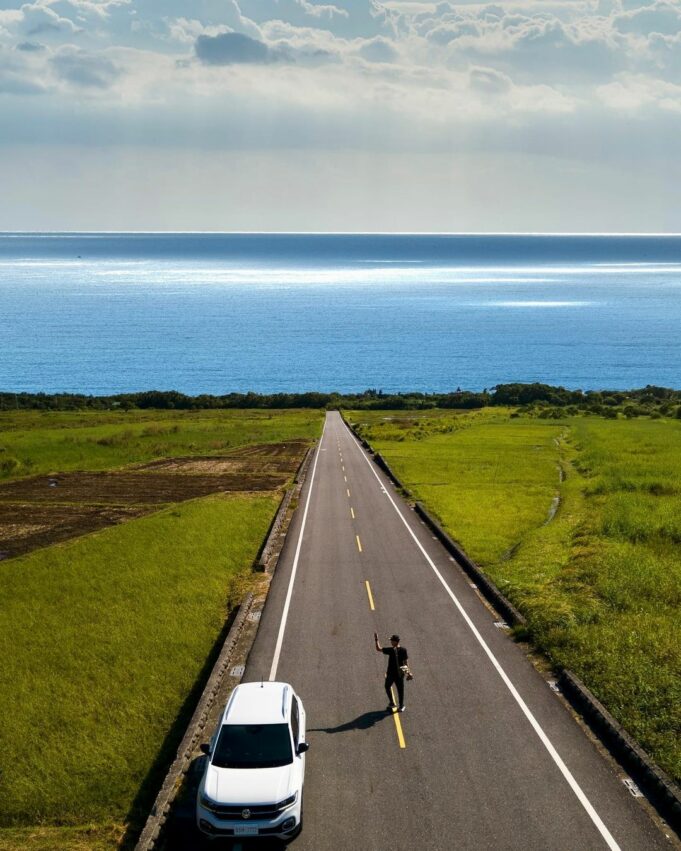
x,y
289,593
565,771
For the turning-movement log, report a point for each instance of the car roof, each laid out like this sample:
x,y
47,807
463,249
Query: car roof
x,y
258,703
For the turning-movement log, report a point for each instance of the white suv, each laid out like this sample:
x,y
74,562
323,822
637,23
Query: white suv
x,y
253,782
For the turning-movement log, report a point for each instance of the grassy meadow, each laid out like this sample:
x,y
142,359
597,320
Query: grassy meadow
x,y
600,582
107,639
35,442
103,641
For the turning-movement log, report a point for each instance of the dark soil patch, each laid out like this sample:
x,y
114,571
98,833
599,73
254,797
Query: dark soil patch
x,y
126,488
26,527
44,510
260,459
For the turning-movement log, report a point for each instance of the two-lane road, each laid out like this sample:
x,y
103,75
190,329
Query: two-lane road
x,y
485,756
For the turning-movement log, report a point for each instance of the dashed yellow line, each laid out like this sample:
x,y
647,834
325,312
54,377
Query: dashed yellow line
x,y
359,543
369,594
346,478
347,490
398,725
352,512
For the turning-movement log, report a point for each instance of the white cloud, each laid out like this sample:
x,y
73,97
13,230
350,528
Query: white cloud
x,y
488,81
659,17
84,69
582,80
318,10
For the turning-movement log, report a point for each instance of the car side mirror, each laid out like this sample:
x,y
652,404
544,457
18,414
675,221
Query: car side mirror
x,y
302,747
205,748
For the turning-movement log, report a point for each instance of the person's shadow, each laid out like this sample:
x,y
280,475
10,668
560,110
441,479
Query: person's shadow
x,y
362,722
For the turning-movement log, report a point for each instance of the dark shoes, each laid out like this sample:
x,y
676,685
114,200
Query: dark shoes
x,y
390,707
402,708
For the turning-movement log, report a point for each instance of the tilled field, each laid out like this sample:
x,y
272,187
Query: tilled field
x,y
43,510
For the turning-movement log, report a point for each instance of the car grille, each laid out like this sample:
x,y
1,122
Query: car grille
x,y
257,811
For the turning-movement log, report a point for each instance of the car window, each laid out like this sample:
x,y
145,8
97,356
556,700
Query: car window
x,y
295,723
253,746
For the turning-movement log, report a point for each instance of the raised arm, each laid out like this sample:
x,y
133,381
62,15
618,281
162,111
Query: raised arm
x,y
378,646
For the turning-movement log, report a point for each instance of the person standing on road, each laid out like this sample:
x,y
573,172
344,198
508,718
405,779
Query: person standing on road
x,y
397,659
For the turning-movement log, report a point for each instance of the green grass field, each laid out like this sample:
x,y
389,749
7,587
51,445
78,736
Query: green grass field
x,y
33,442
103,642
600,583
107,639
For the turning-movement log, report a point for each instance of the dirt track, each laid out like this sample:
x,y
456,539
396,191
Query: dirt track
x,y
44,510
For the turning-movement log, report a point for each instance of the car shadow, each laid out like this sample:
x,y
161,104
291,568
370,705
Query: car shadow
x,y
362,722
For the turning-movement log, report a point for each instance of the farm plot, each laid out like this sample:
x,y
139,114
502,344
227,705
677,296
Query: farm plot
x,y
42,510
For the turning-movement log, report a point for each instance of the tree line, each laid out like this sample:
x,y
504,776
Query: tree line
x,y
506,395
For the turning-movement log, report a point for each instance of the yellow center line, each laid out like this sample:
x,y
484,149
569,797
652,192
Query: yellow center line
x,y
346,478
342,468
347,490
359,543
398,725
371,599
352,512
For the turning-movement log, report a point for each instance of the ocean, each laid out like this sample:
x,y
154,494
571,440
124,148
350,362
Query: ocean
x,y
220,313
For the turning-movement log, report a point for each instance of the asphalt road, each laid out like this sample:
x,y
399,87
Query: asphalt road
x,y
485,756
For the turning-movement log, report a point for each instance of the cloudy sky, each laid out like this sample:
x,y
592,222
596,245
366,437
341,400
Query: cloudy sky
x,y
346,115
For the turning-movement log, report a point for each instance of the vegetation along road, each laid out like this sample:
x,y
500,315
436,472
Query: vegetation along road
x,y
126,539
485,755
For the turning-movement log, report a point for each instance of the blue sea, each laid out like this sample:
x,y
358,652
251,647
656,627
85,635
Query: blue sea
x,y
216,313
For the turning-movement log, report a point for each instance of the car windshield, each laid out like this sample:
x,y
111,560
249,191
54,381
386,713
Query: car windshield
x,y
253,746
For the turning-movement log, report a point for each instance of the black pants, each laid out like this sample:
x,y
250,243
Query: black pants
x,y
399,682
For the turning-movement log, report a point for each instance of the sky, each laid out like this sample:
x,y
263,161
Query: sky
x,y
296,115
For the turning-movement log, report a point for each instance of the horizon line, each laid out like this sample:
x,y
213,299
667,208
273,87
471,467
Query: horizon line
x,y
332,233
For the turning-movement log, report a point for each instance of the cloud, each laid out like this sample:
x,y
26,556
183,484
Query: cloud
x,y
233,49
16,76
30,46
660,17
489,81
378,49
88,70
318,10
43,20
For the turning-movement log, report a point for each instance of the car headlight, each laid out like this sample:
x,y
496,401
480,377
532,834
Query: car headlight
x,y
282,805
206,802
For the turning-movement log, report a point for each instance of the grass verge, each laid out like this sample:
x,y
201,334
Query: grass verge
x,y
600,582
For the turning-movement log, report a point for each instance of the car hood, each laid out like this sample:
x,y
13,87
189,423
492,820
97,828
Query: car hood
x,y
248,785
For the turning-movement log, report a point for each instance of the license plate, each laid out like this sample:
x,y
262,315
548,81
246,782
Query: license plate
x,y
245,830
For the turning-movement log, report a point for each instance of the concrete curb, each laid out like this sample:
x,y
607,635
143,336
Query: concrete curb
x,y
301,472
383,464
274,530
661,790
357,435
485,585
268,548
171,784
